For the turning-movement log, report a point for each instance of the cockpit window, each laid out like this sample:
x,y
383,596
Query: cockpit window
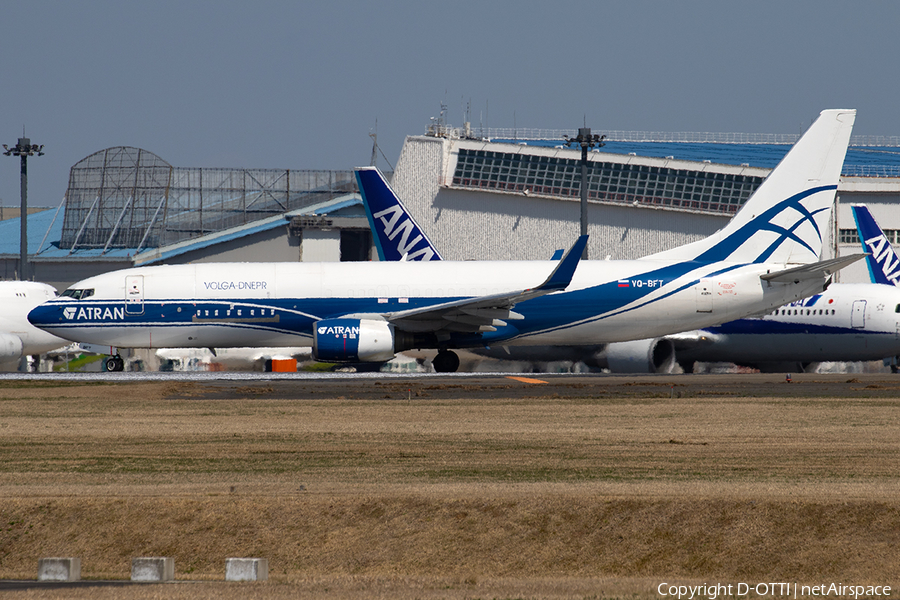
x,y
78,294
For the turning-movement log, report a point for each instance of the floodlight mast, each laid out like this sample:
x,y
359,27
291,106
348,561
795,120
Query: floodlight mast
x,y
586,141
24,148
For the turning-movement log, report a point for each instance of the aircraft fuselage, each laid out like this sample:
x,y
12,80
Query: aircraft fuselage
x,y
277,304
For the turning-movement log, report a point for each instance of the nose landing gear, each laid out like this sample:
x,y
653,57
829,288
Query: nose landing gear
x,y
114,363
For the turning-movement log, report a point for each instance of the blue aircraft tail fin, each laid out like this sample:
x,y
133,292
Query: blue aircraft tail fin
x,y
397,235
883,263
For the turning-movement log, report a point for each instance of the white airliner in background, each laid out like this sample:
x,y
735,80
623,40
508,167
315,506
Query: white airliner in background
x,y
18,337
766,256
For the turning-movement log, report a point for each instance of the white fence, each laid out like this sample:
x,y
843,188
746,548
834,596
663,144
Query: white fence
x,y
525,134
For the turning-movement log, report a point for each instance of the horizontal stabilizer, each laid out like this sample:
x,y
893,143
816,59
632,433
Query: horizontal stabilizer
x,y
811,271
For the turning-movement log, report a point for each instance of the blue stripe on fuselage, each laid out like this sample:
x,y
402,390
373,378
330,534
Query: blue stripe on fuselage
x,y
600,302
767,326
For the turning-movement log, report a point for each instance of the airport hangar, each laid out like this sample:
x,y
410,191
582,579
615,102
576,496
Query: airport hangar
x,y
477,199
520,199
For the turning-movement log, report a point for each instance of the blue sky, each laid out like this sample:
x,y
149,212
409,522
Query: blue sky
x,y
300,85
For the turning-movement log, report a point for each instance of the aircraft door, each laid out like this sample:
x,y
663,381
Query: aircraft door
x,y
134,294
704,296
858,314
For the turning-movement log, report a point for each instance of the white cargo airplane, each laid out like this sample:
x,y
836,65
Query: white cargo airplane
x,y
18,337
766,256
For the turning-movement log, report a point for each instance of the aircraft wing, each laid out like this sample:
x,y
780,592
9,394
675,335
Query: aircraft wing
x,y
486,313
816,270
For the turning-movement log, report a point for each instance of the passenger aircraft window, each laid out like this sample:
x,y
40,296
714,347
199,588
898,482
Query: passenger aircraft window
x,y
897,309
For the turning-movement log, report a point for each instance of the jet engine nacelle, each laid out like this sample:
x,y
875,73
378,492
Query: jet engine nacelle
x,y
353,340
655,355
10,346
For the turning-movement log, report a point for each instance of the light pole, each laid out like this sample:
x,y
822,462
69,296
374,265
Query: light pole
x,y
24,148
587,141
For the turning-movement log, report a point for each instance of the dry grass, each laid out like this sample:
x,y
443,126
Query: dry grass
x,y
577,490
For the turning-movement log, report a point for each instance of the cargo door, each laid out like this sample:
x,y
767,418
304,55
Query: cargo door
x,y
134,294
858,314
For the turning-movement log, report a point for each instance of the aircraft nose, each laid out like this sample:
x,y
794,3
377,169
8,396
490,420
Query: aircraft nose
x,y
43,314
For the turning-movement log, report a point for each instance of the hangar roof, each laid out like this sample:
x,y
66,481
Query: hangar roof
x,y
45,229
866,161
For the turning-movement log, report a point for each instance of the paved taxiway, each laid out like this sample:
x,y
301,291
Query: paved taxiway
x,y
488,385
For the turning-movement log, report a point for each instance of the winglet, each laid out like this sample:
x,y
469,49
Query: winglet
x,y
883,263
561,276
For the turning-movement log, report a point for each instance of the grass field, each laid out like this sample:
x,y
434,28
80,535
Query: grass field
x,y
582,488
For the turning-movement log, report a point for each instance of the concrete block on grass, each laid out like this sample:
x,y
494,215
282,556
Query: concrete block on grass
x,y
59,569
246,569
153,568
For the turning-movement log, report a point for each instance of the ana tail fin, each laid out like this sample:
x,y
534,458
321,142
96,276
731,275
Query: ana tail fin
x,y
883,263
397,235
783,221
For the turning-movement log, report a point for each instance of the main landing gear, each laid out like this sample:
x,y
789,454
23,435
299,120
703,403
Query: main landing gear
x,y
446,361
114,363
